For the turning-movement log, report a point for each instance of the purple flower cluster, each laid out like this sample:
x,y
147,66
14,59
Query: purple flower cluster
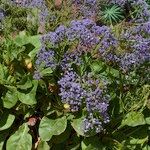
x,y
108,45
121,3
40,4
1,16
88,36
46,58
71,91
69,59
96,100
143,10
86,92
30,3
87,8
91,123
138,38
37,75
140,9
54,37
134,59
143,28
81,30
96,103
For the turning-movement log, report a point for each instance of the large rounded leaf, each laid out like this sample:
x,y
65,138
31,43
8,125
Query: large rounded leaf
x,y
49,127
133,119
20,140
23,39
147,120
29,98
90,144
43,145
6,120
77,124
3,136
10,98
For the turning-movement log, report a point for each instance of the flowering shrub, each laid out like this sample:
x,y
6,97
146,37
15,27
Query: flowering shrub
x,y
74,74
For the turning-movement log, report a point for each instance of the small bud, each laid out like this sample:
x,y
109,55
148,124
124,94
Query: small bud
x,y
28,63
66,106
58,4
52,88
32,121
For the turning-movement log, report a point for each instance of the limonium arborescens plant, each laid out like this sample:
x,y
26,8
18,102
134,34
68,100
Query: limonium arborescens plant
x,y
74,74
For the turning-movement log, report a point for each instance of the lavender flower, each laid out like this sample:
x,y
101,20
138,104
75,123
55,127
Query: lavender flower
x,y
142,28
1,16
92,124
138,39
71,58
143,13
37,75
90,2
81,30
86,92
96,101
119,2
87,8
71,91
134,59
54,37
43,15
30,3
108,43
60,32
46,58
96,98
40,4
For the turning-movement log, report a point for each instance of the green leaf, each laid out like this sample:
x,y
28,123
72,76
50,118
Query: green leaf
x,y
46,72
112,14
92,143
35,41
29,98
33,53
1,145
20,140
77,124
147,120
6,120
43,145
25,84
10,98
138,140
3,74
62,137
133,119
139,135
3,136
114,72
49,127
97,66
23,39
146,147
